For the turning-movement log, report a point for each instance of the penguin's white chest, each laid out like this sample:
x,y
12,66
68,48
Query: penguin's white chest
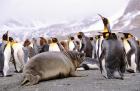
x,y
97,41
7,56
80,44
54,47
7,52
126,46
100,48
71,46
104,71
17,47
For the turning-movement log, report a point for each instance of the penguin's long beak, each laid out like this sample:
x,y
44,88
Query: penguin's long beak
x,y
7,32
7,36
101,16
106,23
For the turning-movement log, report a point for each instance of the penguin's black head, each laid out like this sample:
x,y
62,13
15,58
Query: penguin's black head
x,y
128,35
80,35
5,36
42,41
54,40
114,36
62,43
105,20
108,35
97,37
71,38
11,39
26,43
91,38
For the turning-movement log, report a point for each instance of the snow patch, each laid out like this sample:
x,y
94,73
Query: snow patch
x,y
126,19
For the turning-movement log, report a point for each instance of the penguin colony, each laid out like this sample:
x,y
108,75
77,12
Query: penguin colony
x,y
44,59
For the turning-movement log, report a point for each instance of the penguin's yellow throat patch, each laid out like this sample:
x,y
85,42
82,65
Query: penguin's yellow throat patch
x,y
106,29
14,44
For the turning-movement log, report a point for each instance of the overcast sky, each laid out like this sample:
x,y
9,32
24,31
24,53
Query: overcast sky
x,y
52,11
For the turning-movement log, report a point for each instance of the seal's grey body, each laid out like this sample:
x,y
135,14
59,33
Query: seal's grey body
x,y
50,65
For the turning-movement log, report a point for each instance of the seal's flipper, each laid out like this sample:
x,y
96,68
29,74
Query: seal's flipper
x,y
25,81
30,80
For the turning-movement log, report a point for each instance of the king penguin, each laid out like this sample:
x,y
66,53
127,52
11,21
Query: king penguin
x,y
132,53
55,45
6,53
72,44
106,24
86,45
93,42
99,39
112,66
18,55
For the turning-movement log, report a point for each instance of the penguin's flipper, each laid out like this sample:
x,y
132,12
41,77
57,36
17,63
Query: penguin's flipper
x,y
101,58
129,61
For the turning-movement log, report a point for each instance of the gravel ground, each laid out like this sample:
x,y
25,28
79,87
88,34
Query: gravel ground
x,y
93,82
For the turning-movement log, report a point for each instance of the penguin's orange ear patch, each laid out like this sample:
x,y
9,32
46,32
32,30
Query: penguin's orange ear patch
x,y
106,35
130,36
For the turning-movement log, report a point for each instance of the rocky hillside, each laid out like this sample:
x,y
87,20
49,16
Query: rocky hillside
x,y
134,5
130,20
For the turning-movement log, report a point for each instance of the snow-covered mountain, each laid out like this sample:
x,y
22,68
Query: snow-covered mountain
x,y
130,20
27,31
127,20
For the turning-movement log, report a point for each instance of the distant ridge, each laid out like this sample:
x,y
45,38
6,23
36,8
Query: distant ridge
x,y
130,20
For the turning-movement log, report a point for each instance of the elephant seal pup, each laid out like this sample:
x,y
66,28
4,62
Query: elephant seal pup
x,y
51,65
